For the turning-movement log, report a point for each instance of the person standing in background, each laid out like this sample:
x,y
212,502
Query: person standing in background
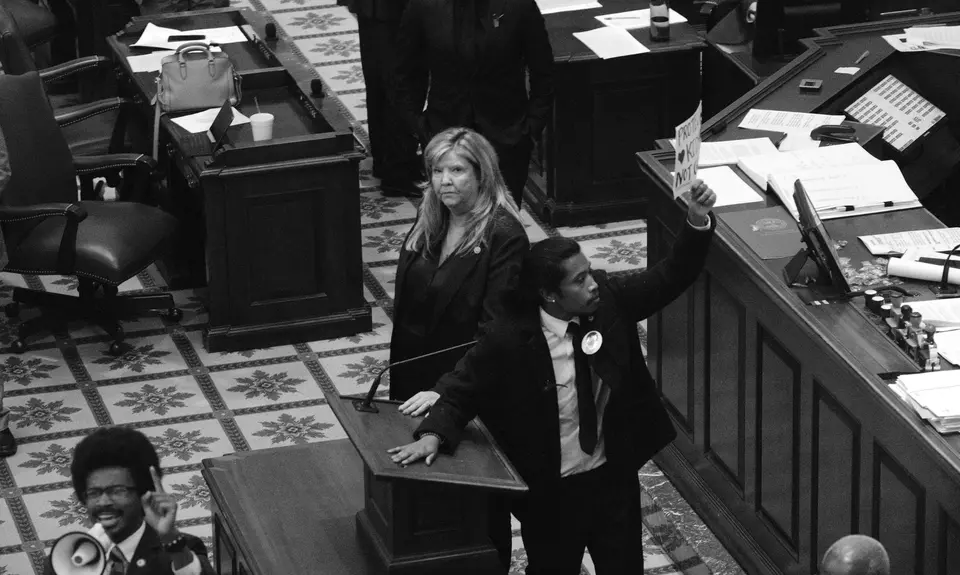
x,y
392,144
479,54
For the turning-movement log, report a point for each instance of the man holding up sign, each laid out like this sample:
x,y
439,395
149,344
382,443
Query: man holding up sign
x,y
687,155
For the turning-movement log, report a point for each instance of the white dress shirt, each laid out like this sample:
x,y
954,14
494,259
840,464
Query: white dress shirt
x,y
572,458
128,547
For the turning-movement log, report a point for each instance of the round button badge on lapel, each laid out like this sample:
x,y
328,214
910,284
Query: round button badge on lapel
x,y
592,342
476,250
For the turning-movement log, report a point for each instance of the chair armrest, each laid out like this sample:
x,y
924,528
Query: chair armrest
x,y
73,212
73,114
54,73
95,165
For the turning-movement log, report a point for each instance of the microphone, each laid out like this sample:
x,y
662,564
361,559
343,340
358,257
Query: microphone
x,y
270,31
366,404
316,87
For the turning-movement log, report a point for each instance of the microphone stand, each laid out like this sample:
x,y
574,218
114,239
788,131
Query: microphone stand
x,y
366,404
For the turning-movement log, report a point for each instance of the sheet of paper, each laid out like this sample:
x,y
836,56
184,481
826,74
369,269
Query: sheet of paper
x,y
941,36
770,232
157,37
554,6
760,167
901,43
730,188
920,271
608,42
944,313
151,62
849,70
939,239
948,345
785,121
727,153
201,121
905,114
635,19
687,152
800,140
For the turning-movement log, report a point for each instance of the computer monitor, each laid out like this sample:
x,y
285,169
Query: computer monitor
x,y
781,24
220,125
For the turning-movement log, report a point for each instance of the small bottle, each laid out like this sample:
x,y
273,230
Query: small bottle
x,y
659,20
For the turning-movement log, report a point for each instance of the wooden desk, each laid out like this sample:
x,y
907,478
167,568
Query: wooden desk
x,y
276,221
605,110
729,72
788,438
288,511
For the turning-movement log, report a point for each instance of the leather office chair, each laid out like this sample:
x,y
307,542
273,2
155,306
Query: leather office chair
x,y
38,25
47,231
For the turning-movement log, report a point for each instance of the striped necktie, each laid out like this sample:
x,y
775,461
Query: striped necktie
x,y
116,562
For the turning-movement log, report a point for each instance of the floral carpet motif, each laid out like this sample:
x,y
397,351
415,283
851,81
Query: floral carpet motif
x,y
193,404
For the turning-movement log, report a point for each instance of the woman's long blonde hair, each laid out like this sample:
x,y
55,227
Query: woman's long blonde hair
x,y
431,225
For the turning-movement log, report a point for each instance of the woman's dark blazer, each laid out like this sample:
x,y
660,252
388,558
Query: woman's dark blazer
x,y
486,92
471,298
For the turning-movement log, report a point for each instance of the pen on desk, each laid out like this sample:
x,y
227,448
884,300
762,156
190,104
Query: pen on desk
x,y
862,56
851,208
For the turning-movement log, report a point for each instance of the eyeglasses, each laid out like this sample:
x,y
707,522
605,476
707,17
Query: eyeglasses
x,y
113,492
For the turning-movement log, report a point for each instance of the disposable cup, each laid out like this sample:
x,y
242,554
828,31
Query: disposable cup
x,y
262,126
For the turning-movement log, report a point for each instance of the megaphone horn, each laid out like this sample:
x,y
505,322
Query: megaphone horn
x,y
78,553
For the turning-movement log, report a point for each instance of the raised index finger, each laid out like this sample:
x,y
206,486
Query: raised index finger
x,y
157,484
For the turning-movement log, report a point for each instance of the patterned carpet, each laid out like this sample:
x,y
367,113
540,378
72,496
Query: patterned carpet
x,y
195,405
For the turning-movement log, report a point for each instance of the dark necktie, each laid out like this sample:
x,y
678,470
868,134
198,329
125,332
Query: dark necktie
x,y
116,562
585,402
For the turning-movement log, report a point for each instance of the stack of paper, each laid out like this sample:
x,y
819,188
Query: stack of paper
x,y
154,36
938,240
935,396
796,125
729,152
759,168
635,19
846,191
935,36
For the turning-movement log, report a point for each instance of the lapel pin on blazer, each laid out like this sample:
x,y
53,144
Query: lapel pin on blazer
x,y
476,250
496,20
141,562
592,342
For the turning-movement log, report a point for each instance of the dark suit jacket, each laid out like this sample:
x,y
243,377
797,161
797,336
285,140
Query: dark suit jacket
x,y
508,378
156,560
383,10
488,92
471,298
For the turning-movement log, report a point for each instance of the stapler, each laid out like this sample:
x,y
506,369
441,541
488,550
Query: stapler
x,y
834,133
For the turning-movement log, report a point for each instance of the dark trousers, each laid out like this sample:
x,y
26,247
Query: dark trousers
x,y
393,145
514,166
599,510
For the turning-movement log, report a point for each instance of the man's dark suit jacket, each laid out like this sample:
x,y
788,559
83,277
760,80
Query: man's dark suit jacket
x,y
156,561
486,92
508,380
471,296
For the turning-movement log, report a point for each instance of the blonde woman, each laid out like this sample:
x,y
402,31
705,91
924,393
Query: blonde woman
x,y
461,257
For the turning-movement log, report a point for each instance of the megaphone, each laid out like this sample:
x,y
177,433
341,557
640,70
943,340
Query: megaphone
x,y
78,553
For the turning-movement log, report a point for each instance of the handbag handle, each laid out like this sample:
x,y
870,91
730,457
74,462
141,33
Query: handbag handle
x,y
195,47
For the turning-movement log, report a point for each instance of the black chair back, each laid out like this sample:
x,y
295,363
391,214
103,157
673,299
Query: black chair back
x,y
40,160
15,56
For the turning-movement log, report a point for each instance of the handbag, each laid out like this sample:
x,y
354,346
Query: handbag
x,y
193,78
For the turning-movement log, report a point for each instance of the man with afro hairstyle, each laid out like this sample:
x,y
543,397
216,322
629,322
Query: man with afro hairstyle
x,y
116,475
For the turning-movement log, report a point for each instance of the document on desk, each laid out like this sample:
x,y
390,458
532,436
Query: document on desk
x,y
797,126
759,168
847,191
938,240
635,19
608,42
904,114
925,266
730,188
151,62
154,36
201,121
770,232
943,313
939,36
554,6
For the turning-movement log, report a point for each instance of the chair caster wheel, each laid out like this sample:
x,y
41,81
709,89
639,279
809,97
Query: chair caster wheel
x,y
116,349
12,309
175,314
18,346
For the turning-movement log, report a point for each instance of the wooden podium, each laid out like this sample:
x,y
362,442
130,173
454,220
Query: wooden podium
x,y
420,520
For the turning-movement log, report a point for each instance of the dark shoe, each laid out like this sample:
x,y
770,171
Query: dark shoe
x,y
396,190
8,445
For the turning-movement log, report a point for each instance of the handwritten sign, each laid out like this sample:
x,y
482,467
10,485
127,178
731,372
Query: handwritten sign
x,y
687,155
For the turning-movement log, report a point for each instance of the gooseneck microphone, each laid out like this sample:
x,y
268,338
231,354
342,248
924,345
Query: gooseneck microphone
x,y
366,404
